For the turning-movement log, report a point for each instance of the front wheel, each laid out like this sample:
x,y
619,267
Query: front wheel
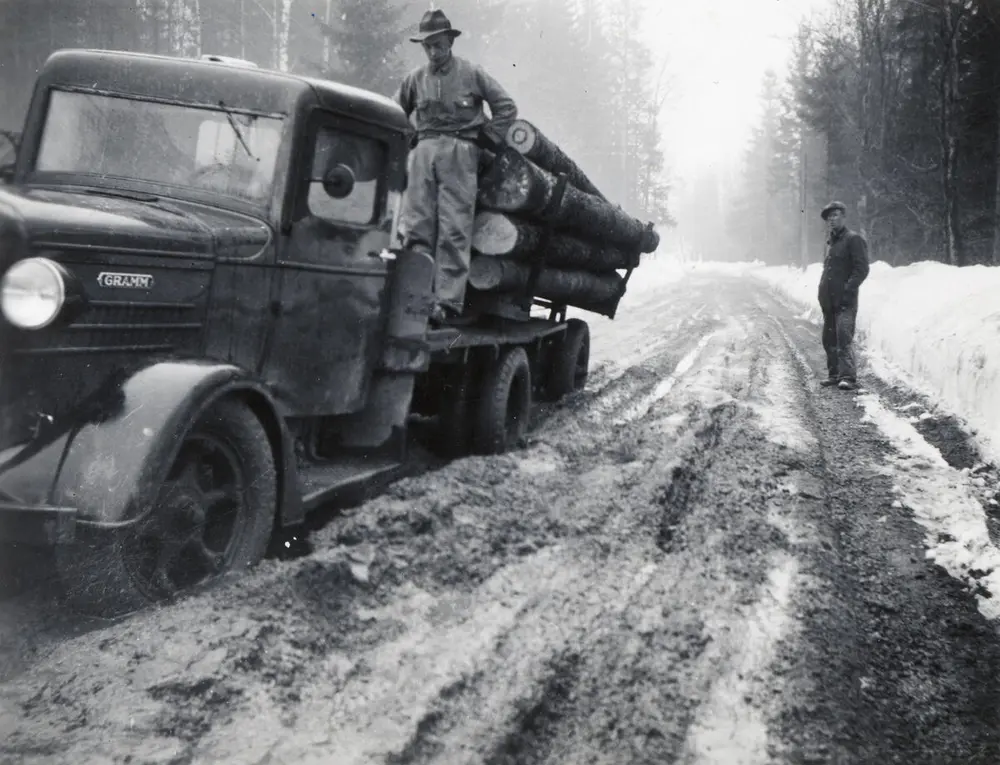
x,y
214,513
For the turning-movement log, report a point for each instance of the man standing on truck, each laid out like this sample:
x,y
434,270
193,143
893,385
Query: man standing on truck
x,y
447,97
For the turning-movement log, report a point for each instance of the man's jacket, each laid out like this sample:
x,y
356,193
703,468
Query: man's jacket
x,y
450,100
845,267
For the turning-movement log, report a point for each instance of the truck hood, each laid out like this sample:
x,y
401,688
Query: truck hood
x,y
48,217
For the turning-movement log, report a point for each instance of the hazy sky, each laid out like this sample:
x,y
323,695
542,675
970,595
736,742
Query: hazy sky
x,y
718,51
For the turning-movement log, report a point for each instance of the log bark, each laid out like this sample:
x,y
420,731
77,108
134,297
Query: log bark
x,y
529,141
501,235
514,184
577,288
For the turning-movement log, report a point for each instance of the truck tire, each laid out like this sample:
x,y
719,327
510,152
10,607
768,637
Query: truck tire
x,y
504,407
214,513
570,362
455,411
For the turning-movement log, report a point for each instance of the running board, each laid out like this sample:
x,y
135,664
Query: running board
x,y
348,480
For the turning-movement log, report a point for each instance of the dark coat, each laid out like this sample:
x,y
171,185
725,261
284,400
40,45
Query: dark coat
x,y
845,267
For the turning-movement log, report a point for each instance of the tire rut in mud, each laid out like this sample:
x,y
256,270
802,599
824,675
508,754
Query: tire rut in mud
x,y
641,685
526,743
193,706
953,438
612,568
896,665
590,677
527,737
687,480
595,685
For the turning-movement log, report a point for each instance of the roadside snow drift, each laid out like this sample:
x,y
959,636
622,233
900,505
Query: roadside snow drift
x,y
934,327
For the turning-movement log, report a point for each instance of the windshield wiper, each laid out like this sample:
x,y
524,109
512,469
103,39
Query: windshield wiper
x,y
138,196
237,131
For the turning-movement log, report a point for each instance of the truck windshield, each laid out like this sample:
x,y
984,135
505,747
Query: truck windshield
x,y
116,138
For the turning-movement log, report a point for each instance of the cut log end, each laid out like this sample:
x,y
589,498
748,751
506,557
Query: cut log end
x,y
485,274
494,234
522,136
501,235
650,241
512,185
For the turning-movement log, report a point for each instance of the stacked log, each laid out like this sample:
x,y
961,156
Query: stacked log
x,y
502,235
529,141
516,185
542,224
561,286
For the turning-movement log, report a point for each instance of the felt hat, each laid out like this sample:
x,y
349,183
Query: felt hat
x,y
434,23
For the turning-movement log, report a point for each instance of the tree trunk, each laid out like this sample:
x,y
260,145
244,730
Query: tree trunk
x,y
276,51
949,138
198,27
286,29
326,38
498,234
803,205
169,28
529,141
593,292
151,22
996,162
51,19
516,185
188,33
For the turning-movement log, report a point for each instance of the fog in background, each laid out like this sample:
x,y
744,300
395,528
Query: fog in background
x,y
727,122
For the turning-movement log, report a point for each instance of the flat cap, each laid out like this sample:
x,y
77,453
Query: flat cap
x,y
831,207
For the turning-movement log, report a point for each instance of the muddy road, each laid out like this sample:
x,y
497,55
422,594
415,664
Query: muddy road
x,y
702,558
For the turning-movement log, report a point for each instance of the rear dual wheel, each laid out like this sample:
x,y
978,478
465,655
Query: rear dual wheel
x,y
570,362
456,406
213,513
504,409
485,411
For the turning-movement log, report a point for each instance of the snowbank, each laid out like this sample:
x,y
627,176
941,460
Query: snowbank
x,y
935,327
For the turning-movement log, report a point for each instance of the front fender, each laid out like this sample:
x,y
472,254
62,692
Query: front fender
x,y
114,463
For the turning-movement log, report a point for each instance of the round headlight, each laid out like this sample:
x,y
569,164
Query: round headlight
x,y
32,293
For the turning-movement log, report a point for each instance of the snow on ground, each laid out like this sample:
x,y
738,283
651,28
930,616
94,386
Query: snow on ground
x,y
935,328
942,500
932,326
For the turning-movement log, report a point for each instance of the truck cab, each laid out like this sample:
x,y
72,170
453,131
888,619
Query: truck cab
x,y
208,328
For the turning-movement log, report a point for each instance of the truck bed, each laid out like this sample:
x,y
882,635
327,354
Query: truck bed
x,y
503,333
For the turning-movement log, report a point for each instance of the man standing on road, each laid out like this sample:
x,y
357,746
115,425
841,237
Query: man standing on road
x,y
844,269
447,95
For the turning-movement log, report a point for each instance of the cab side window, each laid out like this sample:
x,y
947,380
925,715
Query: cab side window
x,y
345,179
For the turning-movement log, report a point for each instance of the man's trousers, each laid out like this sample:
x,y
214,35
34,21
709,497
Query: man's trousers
x,y
439,211
838,342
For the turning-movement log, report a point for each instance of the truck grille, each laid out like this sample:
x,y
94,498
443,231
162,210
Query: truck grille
x,y
50,371
110,326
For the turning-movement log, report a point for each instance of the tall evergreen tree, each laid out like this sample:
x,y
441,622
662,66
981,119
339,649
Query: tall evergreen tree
x,y
364,37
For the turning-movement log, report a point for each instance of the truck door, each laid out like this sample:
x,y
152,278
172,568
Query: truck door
x,y
330,302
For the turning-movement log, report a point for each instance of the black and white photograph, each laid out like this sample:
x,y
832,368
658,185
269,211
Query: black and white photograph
x,y
500,382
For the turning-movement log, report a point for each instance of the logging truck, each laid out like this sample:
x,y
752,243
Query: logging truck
x,y
207,331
